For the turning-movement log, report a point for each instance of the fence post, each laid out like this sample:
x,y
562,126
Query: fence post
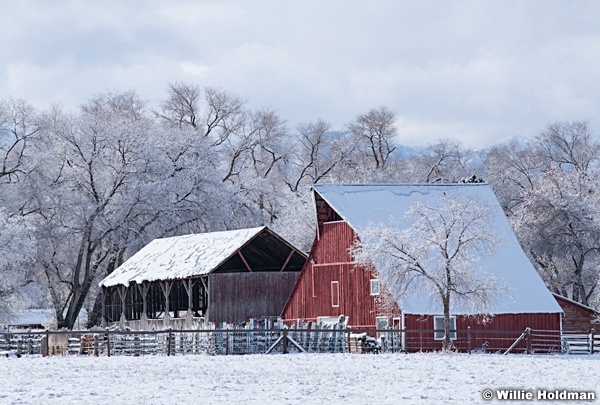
x,y
169,342
348,340
528,339
469,339
108,343
227,341
592,337
45,345
284,341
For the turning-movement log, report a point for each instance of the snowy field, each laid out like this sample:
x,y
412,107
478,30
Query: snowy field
x,y
288,379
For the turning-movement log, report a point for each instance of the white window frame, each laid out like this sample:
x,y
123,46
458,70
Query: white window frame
x,y
375,286
327,320
381,322
440,335
335,292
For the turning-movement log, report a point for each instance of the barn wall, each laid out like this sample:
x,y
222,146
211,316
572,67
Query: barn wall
x,y
416,341
577,317
313,296
237,297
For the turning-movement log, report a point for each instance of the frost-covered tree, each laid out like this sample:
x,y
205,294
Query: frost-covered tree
x,y
17,252
18,127
316,152
559,223
439,254
211,112
446,161
549,189
375,132
108,180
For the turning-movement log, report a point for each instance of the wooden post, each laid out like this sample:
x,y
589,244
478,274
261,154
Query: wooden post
x,y
169,342
469,339
284,342
45,345
528,340
592,337
107,343
348,340
103,317
96,345
227,340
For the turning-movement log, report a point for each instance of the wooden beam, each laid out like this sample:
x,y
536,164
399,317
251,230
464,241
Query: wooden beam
x,y
104,317
187,284
143,288
122,290
244,260
287,260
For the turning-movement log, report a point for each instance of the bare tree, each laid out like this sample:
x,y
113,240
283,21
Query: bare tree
x,y
375,131
443,162
182,106
316,152
18,127
217,115
438,254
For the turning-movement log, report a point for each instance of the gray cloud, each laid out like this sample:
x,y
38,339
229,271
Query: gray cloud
x,y
471,70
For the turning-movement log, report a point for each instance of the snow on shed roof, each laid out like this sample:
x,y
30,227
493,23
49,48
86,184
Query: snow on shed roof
x,y
180,257
34,317
361,205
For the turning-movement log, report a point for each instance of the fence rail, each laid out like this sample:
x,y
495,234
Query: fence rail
x,y
316,340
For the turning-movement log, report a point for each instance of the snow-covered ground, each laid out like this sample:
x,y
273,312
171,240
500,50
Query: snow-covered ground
x,y
431,378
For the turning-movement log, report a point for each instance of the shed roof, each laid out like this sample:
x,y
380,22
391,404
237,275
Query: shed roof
x,y
184,256
362,205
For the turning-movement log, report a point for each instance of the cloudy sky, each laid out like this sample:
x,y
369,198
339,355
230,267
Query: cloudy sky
x,y
478,71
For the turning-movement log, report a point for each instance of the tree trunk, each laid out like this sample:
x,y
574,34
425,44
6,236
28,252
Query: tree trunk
x,y
447,342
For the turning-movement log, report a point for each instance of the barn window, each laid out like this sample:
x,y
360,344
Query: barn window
x,y
335,293
438,325
375,287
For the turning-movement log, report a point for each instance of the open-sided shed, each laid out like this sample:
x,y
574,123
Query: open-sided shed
x,y
331,283
228,276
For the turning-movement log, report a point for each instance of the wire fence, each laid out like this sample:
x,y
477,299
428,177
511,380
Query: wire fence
x,y
336,339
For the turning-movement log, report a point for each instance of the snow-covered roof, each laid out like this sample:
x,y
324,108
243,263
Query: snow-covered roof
x,y
364,205
34,317
180,257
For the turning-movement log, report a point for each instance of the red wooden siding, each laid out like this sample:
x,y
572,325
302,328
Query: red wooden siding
x,y
417,341
577,317
330,261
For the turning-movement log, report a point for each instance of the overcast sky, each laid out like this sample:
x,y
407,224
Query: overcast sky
x,y
478,71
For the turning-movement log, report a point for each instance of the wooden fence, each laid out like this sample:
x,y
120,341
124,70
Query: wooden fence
x,y
259,341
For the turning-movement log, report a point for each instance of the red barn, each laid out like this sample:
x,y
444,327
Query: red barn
x,y
330,284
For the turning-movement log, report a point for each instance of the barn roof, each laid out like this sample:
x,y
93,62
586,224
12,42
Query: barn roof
x,y
363,205
180,257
